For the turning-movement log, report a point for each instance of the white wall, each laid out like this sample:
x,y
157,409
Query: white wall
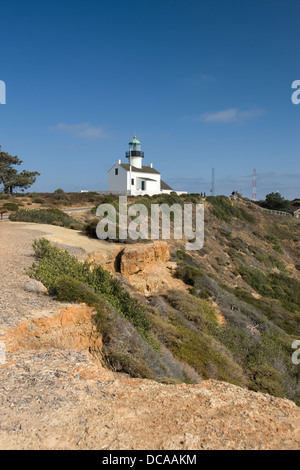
x,y
152,187
136,161
117,183
121,183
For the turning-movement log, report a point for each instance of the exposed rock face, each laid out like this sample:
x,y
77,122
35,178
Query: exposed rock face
x,y
71,328
105,258
135,259
146,266
54,395
148,269
56,400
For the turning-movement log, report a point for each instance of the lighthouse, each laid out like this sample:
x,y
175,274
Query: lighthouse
x,y
134,178
135,156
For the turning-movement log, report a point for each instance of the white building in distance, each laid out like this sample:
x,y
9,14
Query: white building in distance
x,y
135,179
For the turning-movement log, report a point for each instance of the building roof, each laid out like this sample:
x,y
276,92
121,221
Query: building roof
x,y
144,169
164,185
145,179
135,141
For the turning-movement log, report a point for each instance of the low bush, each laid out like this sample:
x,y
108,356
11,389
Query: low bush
x,y
273,240
11,206
51,216
225,210
184,328
54,263
89,229
39,200
274,285
188,274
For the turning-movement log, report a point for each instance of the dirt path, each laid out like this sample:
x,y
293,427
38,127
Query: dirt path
x,y
16,254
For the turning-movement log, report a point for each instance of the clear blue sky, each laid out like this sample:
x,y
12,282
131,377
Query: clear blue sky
x,y
202,83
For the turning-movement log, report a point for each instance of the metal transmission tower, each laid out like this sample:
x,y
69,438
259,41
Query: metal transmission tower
x,y
213,182
254,195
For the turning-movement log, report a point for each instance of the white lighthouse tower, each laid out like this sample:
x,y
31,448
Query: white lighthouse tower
x,y
135,156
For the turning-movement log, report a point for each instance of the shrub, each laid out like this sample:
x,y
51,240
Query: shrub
x,y
59,191
225,210
188,274
265,379
68,289
54,263
238,244
60,195
273,240
89,229
39,200
11,206
184,329
51,216
277,286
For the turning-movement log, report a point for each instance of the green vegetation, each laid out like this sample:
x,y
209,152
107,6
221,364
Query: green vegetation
x,y
186,329
273,240
51,216
276,286
54,263
39,200
9,176
89,229
187,270
225,210
274,201
11,206
123,322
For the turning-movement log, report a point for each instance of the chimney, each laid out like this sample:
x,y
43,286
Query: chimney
x,y
119,162
151,165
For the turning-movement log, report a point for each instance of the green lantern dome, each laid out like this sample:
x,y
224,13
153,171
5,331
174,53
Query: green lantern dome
x,y
135,141
134,149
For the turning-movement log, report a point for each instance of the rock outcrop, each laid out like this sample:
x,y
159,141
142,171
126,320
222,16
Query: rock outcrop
x,y
35,287
146,266
136,258
72,328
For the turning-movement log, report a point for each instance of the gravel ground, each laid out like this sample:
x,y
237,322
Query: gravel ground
x,y
17,254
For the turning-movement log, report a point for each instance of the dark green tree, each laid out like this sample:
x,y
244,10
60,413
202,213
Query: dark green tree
x,y
276,202
10,178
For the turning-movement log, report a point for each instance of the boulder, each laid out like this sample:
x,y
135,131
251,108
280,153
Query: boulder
x,y
35,287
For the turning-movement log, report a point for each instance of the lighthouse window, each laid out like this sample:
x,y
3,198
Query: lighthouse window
x,y
143,185
116,171
132,182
